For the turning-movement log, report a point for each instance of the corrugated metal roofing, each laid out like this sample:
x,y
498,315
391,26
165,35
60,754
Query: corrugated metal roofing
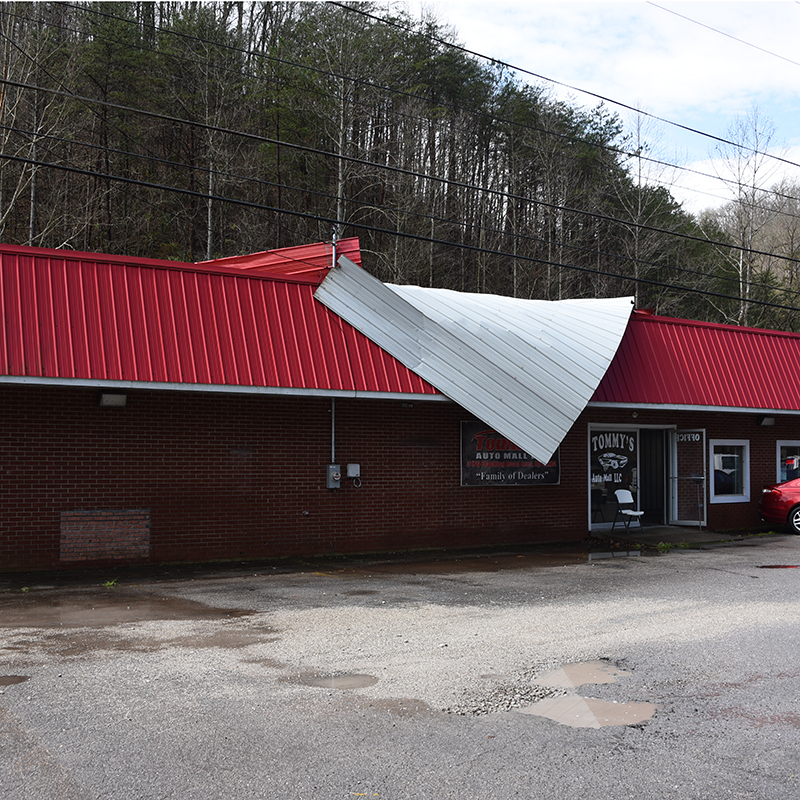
x,y
89,318
677,362
525,367
309,262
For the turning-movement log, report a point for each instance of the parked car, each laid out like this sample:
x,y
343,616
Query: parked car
x,y
780,503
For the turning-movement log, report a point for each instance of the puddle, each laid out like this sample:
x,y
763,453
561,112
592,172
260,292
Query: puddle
x,y
10,680
335,681
587,712
574,675
100,609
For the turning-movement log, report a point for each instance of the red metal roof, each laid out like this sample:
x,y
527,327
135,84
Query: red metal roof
x,y
680,362
253,322
309,262
93,317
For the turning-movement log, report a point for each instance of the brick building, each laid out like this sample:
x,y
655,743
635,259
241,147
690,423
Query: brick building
x,y
156,412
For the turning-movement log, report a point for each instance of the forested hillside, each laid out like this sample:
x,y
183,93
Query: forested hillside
x,y
186,130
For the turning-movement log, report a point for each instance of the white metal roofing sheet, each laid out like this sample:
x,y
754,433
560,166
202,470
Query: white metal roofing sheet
x,y
527,368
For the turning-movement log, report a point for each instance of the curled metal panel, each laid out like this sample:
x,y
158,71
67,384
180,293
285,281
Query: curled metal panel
x,y
526,367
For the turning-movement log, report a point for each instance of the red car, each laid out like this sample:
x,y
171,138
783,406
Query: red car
x,y
780,503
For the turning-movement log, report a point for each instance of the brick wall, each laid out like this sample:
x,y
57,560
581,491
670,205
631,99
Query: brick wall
x,y
233,476
719,425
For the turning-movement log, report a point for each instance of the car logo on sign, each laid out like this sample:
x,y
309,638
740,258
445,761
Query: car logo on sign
x,y
613,461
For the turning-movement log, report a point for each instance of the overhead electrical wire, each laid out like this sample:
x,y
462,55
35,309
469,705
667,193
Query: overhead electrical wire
x,y
638,154
434,178
334,75
522,237
389,168
722,33
401,234
538,76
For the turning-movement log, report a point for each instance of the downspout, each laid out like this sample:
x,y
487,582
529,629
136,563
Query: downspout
x,y
333,430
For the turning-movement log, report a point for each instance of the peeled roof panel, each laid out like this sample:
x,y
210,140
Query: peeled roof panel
x,y
525,367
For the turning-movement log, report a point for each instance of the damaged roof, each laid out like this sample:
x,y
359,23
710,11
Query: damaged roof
x,y
526,367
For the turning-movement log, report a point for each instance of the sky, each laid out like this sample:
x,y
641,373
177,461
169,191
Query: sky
x,y
708,66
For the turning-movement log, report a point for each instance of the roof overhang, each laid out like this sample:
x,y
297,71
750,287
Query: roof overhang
x,y
688,407
526,367
215,388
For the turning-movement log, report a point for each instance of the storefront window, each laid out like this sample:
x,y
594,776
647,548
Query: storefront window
x,y
613,462
730,470
788,461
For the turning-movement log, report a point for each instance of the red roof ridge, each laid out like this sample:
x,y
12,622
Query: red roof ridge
x,y
639,316
306,264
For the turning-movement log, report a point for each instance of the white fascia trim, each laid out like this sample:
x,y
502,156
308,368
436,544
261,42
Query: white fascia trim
x,y
671,407
90,383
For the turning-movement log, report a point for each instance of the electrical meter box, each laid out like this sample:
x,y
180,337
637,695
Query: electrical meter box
x,y
334,476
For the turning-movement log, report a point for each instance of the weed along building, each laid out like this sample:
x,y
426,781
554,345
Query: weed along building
x,y
269,405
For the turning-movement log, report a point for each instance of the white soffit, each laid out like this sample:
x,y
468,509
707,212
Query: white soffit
x,y
527,368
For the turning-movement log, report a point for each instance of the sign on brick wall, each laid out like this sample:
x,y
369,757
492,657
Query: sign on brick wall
x,y
490,459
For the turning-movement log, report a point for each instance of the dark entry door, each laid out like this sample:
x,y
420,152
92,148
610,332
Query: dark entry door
x,y
652,475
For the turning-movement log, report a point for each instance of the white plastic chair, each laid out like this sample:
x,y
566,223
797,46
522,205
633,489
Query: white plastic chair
x,y
627,508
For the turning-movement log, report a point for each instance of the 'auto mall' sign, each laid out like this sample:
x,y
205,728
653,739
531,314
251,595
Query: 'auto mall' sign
x,y
490,459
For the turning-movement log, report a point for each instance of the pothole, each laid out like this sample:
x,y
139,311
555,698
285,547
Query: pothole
x,y
503,697
552,694
505,692
589,712
572,676
11,680
335,681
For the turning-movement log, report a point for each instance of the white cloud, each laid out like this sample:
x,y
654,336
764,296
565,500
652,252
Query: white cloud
x,y
639,55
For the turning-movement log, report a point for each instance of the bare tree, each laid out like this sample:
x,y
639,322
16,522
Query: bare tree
x,y
746,167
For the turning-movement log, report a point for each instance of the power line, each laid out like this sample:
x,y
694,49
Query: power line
x,y
722,33
389,168
600,97
435,178
401,234
384,209
493,118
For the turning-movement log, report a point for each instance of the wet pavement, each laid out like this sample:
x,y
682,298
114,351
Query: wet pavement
x,y
651,536
534,673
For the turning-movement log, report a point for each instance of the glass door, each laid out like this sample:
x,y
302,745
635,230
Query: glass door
x,y
687,479
613,464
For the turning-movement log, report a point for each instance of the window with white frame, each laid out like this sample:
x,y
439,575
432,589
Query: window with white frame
x,y
788,460
730,470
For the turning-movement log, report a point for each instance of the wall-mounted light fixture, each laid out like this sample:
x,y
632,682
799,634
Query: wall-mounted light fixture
x,y
113,400
765,422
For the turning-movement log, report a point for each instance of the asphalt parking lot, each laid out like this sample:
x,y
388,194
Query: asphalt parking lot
x,y
520,674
